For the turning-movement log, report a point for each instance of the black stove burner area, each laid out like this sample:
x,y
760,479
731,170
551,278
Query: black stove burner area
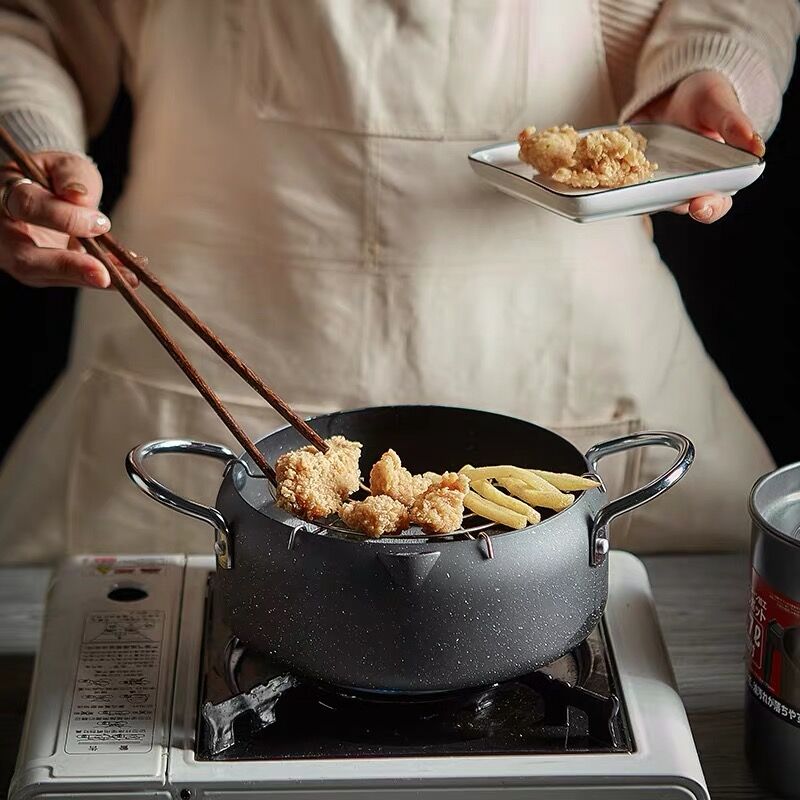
x,y
251,709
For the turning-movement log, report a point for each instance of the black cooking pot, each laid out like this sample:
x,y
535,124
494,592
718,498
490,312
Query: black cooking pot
x,y
413,613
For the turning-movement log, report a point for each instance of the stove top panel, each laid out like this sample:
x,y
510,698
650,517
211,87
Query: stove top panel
x,y
479,743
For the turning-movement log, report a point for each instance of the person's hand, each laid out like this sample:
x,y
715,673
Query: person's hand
x,y
38,230
707,103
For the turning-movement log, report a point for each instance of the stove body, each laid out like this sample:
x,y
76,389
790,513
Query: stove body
x,y
139,691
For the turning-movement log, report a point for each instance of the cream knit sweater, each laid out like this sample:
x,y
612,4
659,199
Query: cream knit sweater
x,y
61,61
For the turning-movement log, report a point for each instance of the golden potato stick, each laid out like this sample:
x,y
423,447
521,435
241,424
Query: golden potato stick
x,y
565,481
506,471
494,495
544,493
540,483
494,512
536,497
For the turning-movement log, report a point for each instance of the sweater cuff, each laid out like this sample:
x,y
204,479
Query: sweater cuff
x,y
34,131
747,70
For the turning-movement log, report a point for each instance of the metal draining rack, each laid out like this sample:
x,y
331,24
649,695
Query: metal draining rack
x,y
479,530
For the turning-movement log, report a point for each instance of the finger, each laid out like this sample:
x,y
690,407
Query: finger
x,y
717,99
681,209
74,178
710,208
35,205
709,134
727,205
46,266
128,276
737,130
721,113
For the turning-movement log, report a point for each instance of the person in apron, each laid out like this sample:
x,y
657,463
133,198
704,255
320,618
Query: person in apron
x,y
298,175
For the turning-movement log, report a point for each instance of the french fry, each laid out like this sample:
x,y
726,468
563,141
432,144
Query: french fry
x,y
523,484
565,481
494,512
537,497
506,471
539,483
494,495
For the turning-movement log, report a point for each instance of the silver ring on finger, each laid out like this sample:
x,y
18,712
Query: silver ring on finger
x,y
9,187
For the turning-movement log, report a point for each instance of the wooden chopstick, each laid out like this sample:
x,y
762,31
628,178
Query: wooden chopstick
x,y
31,170
178,356
177,306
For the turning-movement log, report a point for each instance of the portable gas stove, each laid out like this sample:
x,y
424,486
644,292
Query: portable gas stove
x,y
140,690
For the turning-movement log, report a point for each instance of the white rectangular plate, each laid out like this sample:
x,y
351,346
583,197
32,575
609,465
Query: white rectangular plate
x,y
689,165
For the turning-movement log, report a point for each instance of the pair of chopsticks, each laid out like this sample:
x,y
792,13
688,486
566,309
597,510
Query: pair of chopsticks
x,y
105,244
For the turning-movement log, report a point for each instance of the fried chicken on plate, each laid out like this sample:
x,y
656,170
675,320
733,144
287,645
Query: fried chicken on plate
x,y
606,158
548,150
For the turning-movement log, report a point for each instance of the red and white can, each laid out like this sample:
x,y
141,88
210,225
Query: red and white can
x,y
772,698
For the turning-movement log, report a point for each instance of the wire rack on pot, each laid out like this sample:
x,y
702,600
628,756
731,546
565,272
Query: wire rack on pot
x,y
474,527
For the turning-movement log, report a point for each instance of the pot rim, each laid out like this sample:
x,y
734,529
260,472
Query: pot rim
x,y
415,539
755,513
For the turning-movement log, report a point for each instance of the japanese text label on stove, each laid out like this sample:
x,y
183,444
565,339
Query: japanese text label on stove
x,y
116,686
772,635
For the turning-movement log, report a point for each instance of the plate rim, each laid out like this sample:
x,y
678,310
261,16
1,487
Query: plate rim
x,y
759,161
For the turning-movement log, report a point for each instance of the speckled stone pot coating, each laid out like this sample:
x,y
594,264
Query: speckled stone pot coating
x,y
414,615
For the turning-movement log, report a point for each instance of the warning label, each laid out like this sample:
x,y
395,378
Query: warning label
x,y
116,687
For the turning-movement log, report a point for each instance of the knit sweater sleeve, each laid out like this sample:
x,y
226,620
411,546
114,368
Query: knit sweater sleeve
x,y
652,45
59,71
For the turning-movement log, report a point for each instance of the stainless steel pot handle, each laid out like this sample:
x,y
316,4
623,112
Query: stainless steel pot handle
x,y
599,542
138,473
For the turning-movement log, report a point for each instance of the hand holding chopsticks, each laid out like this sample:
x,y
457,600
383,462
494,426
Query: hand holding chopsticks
x,y
102,248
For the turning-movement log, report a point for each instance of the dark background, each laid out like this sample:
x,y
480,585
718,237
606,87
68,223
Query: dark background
x,y
738,278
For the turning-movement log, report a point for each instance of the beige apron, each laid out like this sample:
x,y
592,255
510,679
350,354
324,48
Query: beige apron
x,y
300,178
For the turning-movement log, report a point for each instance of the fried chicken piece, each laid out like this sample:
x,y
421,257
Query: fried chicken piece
x,y
376,515
312,484
637,139
548,150
440,508
388,476
608,159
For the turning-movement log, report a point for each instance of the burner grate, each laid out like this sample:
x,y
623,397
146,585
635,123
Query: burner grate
x,y
219,720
